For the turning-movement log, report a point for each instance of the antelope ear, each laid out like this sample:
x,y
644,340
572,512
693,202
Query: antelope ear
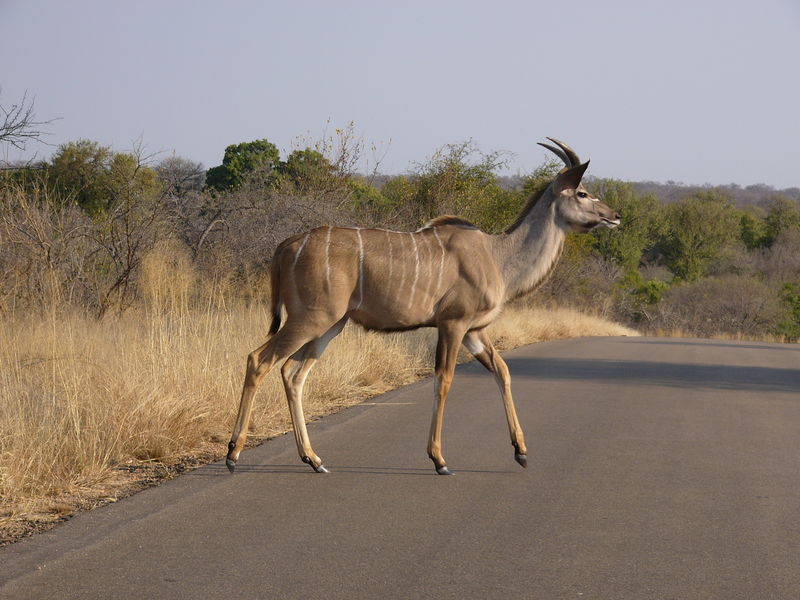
x,y
570,179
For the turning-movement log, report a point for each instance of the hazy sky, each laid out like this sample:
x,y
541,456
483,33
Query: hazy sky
x,y
698,91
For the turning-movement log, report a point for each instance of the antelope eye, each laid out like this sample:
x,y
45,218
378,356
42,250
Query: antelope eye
x,y
583,195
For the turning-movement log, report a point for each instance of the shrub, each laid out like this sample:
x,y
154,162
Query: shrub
x,y
731,304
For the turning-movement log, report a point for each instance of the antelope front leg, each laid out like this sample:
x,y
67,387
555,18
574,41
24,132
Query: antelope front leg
x,y
479,344
446,354
441,386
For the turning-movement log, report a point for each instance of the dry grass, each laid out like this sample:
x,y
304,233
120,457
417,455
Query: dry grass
x,y
83,401
738,337
519,326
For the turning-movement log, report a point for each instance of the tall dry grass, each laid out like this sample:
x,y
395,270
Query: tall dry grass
x,y
79,396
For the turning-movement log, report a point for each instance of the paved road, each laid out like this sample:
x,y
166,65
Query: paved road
x,y
658,468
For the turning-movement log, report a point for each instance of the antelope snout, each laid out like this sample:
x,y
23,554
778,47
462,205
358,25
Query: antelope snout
x,y
613,221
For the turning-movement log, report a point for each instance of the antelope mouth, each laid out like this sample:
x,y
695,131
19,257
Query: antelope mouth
x,y
610,223
603,223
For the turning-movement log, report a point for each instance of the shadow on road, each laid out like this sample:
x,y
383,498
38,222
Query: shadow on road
x,y
300,469
716,343
678,375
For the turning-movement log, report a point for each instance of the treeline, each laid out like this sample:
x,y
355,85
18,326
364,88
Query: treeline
x,y
76,230
758,194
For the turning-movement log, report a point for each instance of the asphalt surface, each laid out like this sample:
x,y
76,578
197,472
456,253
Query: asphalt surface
x,y
657,468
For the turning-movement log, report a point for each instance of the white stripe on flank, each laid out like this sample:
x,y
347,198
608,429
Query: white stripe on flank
x,y
441,261
430,261
296,258
389,242
402,265
431,293
328,259
416,269
300,249
360,269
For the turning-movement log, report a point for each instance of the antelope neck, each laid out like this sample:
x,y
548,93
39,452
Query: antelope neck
x,y
527,253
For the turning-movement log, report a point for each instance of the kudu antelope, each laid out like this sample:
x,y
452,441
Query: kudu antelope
x,y
449,274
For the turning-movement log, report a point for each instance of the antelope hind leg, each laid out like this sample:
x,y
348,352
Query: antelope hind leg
x,y
450,337
259,362
294,372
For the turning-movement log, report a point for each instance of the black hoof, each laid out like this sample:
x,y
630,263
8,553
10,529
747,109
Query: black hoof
x,y
318,469
231,464
522,459
444,470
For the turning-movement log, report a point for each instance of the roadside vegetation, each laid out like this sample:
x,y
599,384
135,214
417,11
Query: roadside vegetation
x,y
134,286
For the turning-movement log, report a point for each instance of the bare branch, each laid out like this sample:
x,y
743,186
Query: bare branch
x,y
18,124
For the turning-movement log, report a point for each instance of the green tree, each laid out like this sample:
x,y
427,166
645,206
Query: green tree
x,y
305,164
129,182
637,294
398,208
641,218
368,201
240,161
696,231
98,179
509,205
495,208
537,182
307,171
789,326
78,172
399,191
124,198
752,228
460,179
782,214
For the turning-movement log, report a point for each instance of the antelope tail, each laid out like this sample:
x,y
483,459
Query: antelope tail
x,y
275,296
